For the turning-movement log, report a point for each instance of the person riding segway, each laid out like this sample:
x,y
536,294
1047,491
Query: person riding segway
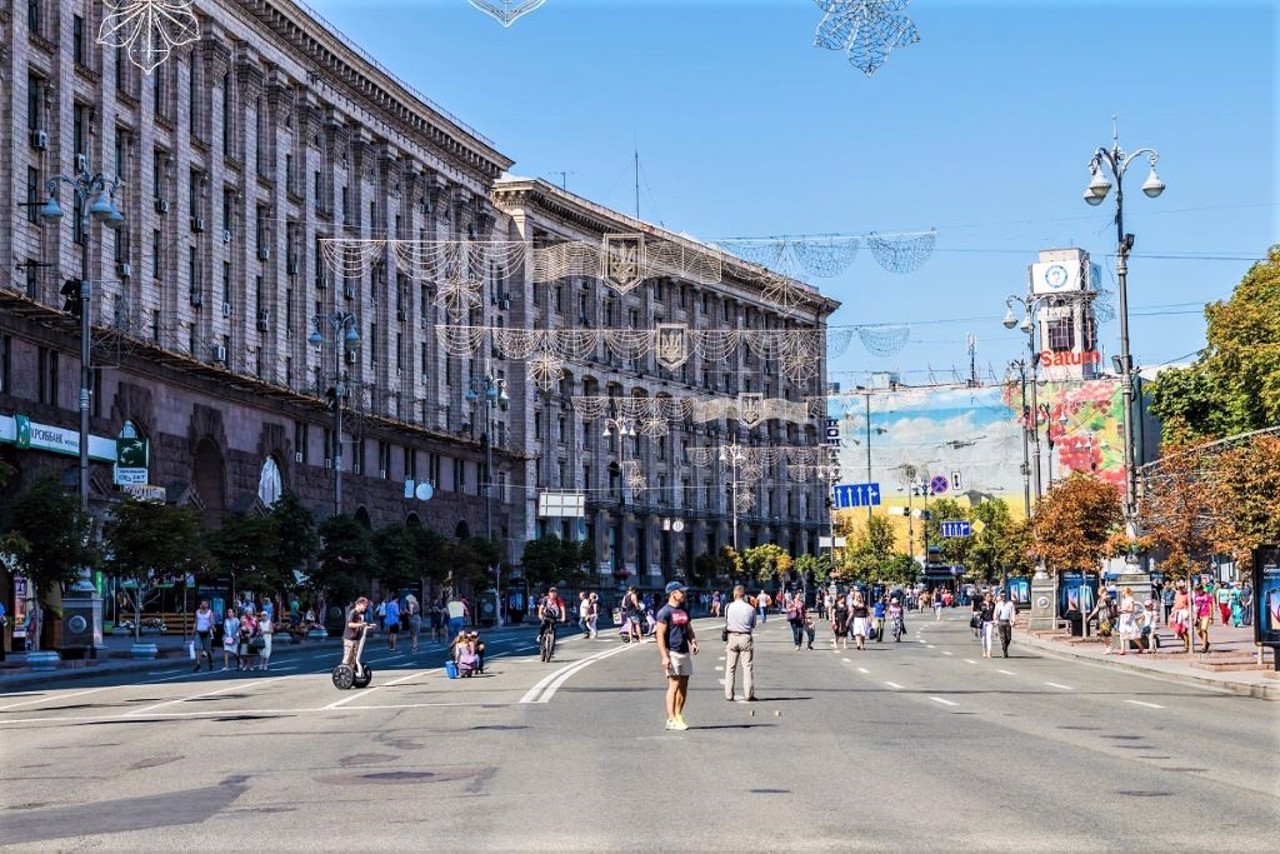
x,y
352,671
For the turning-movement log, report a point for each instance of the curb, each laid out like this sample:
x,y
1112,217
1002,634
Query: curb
x,y
1259,691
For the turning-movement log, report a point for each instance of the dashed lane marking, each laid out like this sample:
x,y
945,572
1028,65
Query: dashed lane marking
x,y
943,702
894,685
1056,685
1148,705
970,661
1006,672
863,670
945,652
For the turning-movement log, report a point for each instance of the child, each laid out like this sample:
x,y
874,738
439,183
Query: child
x,y
809,628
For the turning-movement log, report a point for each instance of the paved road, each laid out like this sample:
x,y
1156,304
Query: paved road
x,y
916,745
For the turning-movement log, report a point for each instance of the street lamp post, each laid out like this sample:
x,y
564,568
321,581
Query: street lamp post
x,y
494,391
1021,365
1027,326
102,189
346,335
1116,162
733,456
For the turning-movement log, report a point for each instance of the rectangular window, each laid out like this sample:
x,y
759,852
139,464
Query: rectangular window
x,y
226,282
1062,334
35,102
35,17
261,238
319,191
160,92
77,39
33,194
193,199
6,362
228,117
122,71
157,254
384,460
288,174
46,375
79,133
193,265
195,98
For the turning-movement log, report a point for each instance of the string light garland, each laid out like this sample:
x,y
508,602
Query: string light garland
x,y
506,12
866,30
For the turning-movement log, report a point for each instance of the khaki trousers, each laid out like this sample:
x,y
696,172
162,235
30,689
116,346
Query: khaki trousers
x,y
740,648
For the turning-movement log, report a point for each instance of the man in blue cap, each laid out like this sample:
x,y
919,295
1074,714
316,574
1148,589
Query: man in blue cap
x,y
677,645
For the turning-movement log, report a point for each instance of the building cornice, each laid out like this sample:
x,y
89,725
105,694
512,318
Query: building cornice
x,y
314,40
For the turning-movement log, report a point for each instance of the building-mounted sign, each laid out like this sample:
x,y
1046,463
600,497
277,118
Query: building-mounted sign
x,y
26,434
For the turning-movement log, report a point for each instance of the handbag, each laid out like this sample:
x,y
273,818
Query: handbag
x,y
973,621
191,649
724,634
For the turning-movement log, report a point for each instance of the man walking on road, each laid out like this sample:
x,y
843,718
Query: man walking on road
x,y
677,645
1006,618
740,623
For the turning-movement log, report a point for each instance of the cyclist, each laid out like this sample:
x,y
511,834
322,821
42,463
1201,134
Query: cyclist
x,y
551,610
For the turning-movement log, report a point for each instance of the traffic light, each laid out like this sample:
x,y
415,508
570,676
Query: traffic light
x,y
71,291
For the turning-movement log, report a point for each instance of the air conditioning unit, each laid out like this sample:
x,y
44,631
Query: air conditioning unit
x,y
162,206
226,309
424,379
348,292
263,325
226,235
197,299
264,315
291,265
355,469
297,456
39,140
321,282
353,358
197,224
125,269
264,253
382,473
328,463
220,353
82,163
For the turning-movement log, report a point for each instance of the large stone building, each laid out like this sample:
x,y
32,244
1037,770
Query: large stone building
x,y
271,177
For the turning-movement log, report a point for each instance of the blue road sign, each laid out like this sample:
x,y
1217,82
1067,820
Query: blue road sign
x,y
857,494
955,529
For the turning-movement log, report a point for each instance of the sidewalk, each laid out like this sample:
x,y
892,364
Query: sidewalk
x,y
1230,664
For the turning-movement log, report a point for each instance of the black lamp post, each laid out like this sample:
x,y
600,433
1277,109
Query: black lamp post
x,y
346,337
494,391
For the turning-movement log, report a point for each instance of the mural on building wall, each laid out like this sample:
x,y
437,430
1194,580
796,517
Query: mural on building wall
x,y
967,441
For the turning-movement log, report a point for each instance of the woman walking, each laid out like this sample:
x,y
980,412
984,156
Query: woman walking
x,y
861,620
796,613
230,636
414,612
986,623
205,618
839,623
1202,601
266,631
1180,616
593,615
1128,620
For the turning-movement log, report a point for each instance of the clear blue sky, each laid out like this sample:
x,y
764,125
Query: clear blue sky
x,y
982,130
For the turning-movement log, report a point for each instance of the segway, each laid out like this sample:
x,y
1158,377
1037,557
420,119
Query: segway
x,y
358,676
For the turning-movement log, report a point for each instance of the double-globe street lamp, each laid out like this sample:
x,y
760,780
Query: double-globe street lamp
x,y
493,390
101,188
344,328
1027,370
1116,162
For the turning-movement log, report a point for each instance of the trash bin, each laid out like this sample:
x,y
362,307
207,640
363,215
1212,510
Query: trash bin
x,y
488,608
1076,621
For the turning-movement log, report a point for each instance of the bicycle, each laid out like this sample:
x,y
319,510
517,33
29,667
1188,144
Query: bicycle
x,y
547,640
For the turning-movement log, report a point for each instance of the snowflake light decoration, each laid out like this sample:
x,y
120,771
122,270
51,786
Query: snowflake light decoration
x,y
148,29
506,12
866,30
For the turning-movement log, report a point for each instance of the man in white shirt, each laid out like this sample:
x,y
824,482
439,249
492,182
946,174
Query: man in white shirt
x,y
1006,615
739,624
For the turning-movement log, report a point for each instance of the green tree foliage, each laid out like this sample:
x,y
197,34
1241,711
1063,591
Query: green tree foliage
x,y
49,536
297,540
347,559
551,560
1234,387
952,550
148,543
816,568
712,568
399,559
766,561
1073,523
246,550
998,543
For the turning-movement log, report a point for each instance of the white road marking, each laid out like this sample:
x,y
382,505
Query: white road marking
x,y
944,652
718,667
894,685
928,646
943,702
51,697
1006,672
405,678
970,661
1056,685
234,686
354,695
848,661
548,685
1148,705
862,670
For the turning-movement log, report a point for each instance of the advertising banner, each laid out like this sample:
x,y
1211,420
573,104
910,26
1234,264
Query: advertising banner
x,y
1266,593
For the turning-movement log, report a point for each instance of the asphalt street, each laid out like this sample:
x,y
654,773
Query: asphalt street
x,y
920,745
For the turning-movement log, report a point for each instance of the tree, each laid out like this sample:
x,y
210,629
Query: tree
x,y
952,550
816,567
551,560
297,540
49,537
1245,513
997,543
1177,508
1234,387
347,559
149,543
1074,521
399,562
765,561
246,548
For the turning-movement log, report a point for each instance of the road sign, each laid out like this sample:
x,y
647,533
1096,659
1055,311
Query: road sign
x,y
857,494
938,484
955,529
831,435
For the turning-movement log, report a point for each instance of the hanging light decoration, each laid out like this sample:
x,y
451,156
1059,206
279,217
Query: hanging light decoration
x,y
148,29
866,30
506,12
